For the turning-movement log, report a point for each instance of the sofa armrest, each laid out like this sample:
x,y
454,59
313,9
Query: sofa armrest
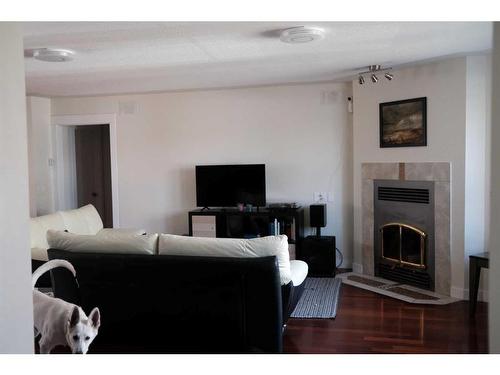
x,y
294,289
299,271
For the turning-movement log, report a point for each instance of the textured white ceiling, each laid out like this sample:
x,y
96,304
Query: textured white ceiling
x,y
128,57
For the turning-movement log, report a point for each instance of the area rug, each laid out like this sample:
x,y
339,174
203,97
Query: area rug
x,y
394,289
320,298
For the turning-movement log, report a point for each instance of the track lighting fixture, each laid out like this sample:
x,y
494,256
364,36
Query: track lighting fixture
x,y
372,69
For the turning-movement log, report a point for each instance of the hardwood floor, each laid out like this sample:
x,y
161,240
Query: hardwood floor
x,y
367,322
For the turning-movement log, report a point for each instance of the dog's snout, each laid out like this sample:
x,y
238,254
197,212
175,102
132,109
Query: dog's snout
x,y
79,352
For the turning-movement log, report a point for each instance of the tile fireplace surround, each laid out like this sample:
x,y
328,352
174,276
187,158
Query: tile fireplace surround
x,y
437,172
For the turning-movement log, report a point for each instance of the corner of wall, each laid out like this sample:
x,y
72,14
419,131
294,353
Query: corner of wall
x,y
494,241
477,158
40,151
357,267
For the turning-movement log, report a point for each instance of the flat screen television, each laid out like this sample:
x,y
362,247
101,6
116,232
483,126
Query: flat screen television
x,y
228,185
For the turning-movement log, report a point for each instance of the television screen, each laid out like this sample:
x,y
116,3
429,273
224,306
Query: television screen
x,y
228,185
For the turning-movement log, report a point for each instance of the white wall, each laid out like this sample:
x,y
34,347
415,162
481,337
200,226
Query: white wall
x,y
40,151
494,243
444,85
477,157
301,132
67,193
16,305
32,168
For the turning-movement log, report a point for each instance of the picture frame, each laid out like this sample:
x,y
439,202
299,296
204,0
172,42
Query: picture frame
x,y
403,123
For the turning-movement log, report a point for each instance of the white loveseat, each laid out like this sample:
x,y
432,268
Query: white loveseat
x,y
84,220
82,229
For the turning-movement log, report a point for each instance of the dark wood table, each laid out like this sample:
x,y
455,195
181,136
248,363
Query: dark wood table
x,y
476,262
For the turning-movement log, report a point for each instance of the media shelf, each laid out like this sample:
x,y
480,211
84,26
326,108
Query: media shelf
x,y
232,223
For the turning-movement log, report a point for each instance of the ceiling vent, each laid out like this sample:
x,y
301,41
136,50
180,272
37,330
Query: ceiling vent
x,y
302,34
53,54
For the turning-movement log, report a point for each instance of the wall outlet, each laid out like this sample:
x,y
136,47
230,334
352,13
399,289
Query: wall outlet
x,y
320,197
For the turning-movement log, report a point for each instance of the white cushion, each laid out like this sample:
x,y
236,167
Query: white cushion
x,y
83,220
109,242
39,253
130,231
38,233
230,247
299,271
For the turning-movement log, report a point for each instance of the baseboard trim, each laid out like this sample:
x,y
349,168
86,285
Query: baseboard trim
x,y
482,295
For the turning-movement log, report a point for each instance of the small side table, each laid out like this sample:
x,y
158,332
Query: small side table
x,y
476,262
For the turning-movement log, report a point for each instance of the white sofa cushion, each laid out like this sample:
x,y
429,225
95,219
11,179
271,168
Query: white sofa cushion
x,y
38,233
39,253
83,220
170,244
109,242
130,231
299,271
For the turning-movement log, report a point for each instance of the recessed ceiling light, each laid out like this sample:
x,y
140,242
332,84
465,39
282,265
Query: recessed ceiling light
x,y
53,54
302,34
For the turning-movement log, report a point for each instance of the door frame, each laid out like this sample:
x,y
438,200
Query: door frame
x,y
81,120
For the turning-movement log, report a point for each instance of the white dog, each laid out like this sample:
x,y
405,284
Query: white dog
x,y
60,322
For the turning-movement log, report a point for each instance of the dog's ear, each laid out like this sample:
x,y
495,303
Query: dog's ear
x,y
95,317
75,317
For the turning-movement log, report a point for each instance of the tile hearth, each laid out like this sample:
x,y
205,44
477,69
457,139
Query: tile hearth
x,y
396,290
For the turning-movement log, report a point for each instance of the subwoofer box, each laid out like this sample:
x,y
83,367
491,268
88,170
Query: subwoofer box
x,y
319,254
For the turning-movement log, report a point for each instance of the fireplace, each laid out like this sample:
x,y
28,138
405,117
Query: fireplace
x,y
404,231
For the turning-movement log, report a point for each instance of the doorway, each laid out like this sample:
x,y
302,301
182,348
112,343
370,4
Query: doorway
x,y
85,161
93,170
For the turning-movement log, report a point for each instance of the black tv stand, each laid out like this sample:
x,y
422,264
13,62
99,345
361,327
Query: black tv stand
x,y
232,223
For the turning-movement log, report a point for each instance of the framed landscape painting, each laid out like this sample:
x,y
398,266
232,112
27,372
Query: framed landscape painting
x,y
403,123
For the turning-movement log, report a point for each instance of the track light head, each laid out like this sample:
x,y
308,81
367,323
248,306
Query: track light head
x,y
371,73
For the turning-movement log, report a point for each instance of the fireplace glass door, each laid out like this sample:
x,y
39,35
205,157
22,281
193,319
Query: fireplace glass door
x,y
403,244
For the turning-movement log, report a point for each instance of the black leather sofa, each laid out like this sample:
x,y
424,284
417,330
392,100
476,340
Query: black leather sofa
x,y
178,304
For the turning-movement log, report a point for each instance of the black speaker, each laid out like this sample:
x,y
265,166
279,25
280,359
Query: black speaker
x,y
319,254
317,215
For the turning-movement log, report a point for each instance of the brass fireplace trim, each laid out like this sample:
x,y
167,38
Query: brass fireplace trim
x,y
422,235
